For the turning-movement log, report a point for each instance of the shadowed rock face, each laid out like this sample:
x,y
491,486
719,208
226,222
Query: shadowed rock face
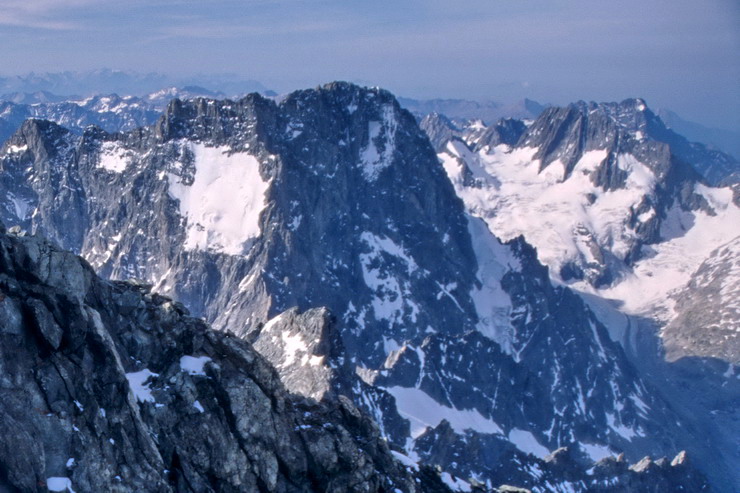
x,y
109,387
440,130
114,388
299,345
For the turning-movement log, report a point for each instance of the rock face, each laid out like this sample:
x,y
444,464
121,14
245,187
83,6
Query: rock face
x,y
442,130
323,229
647,475
299,345
565,134
109,387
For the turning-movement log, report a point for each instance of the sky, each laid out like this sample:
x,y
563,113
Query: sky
x,y
677,54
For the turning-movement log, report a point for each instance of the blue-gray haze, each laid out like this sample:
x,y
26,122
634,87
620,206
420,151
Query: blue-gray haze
x,y
679,54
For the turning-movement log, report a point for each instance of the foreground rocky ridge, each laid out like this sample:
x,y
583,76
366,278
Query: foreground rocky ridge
x,y
109,387
451,339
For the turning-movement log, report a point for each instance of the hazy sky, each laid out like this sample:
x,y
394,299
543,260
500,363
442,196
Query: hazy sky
x,y
679,54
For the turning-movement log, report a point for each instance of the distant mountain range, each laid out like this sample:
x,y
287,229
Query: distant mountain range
x,y
451,279
59,87
717,138
486,111
107,81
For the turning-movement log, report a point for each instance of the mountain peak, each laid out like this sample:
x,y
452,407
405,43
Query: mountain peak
x,y
323,227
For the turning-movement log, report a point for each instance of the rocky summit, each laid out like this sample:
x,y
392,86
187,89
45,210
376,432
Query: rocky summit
x,y
322,228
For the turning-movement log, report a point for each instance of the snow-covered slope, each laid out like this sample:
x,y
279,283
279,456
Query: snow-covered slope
x,y
221,201
575,224
622,219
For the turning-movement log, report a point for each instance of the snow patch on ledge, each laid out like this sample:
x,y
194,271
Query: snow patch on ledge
x,y
293,344
14,149
422,412
59,484
456,484
138,381
596,452
381,145
526,442
113,157
193,365
405,460
223,204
